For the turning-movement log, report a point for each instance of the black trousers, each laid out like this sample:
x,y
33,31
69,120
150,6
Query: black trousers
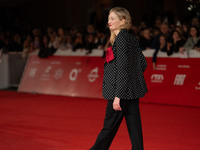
x,y
112,121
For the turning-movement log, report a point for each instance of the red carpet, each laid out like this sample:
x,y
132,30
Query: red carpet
x,y
43,122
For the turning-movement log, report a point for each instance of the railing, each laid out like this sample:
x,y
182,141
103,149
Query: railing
x,y
11,69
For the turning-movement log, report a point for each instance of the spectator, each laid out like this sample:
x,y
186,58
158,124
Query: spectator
x,y
146,39
155,32
44,49
49,31
195,22
90,45
79,43
175,43
52,42
164,31
68,42
90,30
100,40
161,47
28,46
158,23
36,43
180,31
185,31
135,30
15,44
61,40
191,41
36,33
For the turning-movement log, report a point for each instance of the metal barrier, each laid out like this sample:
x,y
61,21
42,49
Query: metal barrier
x,y
11,69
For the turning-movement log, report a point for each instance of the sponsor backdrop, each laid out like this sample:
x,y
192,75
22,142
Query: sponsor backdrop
x,y
175,81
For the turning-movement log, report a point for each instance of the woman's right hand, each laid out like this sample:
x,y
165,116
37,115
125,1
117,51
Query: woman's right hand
x,y
116,104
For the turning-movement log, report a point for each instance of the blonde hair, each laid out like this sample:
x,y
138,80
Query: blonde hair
x,y
122,13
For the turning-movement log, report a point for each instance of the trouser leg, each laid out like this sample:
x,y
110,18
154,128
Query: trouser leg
x,y
112,122
133,122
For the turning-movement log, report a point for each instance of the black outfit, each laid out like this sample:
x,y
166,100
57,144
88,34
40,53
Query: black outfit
x,y
123,78
175,47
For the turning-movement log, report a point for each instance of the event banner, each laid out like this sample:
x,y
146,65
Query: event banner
x,y
174,81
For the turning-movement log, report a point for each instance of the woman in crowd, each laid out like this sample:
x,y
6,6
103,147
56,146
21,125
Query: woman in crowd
x,y
68,42
28,46
61,40
78,43
123,82
175,43
191,41
162,46
90,45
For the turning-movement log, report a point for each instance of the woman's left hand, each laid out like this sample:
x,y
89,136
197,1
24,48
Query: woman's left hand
x,y
116,104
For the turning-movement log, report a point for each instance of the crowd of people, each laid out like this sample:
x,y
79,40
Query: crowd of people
x,y
47,43
163,36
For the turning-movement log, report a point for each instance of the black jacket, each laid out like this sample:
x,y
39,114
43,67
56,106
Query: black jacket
x,y
123,76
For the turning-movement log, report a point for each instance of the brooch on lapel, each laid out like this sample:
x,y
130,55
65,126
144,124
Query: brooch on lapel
x,y
109,54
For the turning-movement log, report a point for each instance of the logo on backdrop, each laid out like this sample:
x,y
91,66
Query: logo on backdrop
x,y
32,72
46,75
58,74
179,79
157,78
161,67
93,75
184,66
197,87
74,74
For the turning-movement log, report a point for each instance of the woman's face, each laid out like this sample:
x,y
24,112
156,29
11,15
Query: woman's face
x,y
162,40
114,22
60,31
175,35
193,32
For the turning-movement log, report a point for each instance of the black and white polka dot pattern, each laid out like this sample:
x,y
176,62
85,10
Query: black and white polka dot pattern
x,y
123,76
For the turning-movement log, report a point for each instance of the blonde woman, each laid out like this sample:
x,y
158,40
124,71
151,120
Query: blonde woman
x,y
123,82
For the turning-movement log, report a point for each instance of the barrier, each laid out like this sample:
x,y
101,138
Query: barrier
x,y
64,75
175,81
4,75
11,69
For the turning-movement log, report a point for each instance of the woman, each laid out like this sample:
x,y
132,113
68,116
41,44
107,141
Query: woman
x,y
123,82
161,46
175,43
191,41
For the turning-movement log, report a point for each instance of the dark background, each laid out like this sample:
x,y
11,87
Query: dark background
x,y
69,13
